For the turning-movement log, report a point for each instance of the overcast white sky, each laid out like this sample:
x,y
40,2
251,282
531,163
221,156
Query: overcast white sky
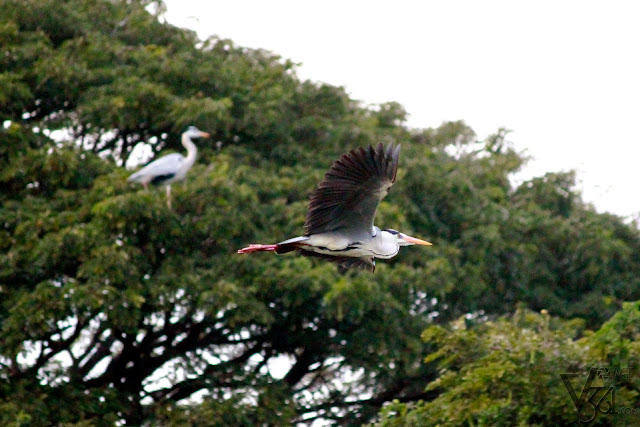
x,y
564,76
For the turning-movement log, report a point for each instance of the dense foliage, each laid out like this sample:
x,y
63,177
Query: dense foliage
x,y
509,372
113,307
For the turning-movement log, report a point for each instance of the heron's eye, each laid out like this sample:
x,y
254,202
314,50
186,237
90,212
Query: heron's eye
x,y
392,231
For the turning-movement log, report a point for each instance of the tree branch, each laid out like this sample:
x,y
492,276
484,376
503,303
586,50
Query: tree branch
x,y
186,388
59,345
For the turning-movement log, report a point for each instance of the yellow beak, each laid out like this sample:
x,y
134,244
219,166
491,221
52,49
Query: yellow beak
x,y
415,241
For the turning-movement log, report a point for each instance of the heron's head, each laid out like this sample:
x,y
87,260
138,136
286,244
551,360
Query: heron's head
x,y
405,240
194,132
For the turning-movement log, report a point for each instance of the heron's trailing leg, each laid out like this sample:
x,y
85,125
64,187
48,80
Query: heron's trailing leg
x,y
257,248
169,197
279,248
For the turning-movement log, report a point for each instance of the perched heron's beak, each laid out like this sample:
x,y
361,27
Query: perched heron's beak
x,y
204,135
413,241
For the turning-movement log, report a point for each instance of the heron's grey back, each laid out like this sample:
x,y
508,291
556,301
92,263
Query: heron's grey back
x,y
165,165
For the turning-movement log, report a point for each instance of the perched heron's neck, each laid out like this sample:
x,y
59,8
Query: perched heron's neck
x,y
192,151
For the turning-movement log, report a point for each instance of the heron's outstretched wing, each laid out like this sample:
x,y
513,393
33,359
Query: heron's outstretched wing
x,y
344,262
348,196
164,166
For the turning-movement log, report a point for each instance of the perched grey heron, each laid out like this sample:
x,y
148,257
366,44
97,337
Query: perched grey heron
x,y
172,167
339,224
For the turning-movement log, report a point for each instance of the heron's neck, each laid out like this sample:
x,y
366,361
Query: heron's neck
x,y
192,151
386,244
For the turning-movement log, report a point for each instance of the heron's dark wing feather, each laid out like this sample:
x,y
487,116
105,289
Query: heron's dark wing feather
x,y
344,262
348,196
161,179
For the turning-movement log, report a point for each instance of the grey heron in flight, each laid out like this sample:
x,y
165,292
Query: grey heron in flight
x,y
339,224
172,167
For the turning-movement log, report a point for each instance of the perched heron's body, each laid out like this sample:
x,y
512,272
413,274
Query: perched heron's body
x,y
172,167
339,223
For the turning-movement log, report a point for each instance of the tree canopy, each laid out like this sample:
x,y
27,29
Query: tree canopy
x,y
510,372
114,308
